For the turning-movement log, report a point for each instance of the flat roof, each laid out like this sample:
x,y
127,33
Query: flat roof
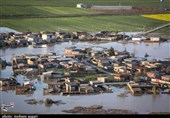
x,y
137,89
111,7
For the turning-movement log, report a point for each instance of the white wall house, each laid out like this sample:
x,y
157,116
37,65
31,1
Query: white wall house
x,y
136,39
154,38
34,39
48,37
81,5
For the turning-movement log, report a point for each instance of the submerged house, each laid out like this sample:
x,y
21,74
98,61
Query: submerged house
x,y
155,39
104,63
34,39
48,37
3,64
95,82
85,88
89,69
54,87
72,51
72,87
22,89
3,38
137,91
166,78
46,65
122,77
56,75
32,60
153,74
120,69
103,79
8,82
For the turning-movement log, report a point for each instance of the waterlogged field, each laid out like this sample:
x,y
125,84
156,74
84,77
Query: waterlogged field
x,y
165,17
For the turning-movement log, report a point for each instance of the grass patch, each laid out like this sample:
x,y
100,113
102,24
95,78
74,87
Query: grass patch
x,y
41,10
90,77
8,112
19,11
164,30
64,10
72,3
95,23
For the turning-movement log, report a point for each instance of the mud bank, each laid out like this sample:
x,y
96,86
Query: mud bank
x,y
97,109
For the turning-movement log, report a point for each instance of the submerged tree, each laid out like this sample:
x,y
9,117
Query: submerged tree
x,y
146,55
111,51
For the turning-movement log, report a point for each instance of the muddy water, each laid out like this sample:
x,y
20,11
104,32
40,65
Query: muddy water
x,y
142,104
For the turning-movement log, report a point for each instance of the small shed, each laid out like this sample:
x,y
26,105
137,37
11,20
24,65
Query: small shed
x,y
166,77
93,83
86,88
137,91
8,82
0,82
56,75
72,86
21,89
155,39
103,79
136,39
81,5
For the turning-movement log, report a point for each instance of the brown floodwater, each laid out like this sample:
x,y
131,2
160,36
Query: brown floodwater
x,y
141,104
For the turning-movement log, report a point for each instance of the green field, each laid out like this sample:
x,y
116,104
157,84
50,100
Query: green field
x,y
41,10
53,7
50,7
72,3
98,23
24,15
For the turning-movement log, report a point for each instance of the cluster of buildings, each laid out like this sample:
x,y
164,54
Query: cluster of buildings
x,y
28,38
69,71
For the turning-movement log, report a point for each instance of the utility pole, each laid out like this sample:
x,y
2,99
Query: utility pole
x,y
123,35
101,92
1,102
144,28
161,3
154,90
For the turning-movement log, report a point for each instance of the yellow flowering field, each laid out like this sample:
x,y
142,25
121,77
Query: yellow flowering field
x,y
165,17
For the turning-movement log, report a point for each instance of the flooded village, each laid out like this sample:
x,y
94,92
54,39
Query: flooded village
x,y
40,39
80,70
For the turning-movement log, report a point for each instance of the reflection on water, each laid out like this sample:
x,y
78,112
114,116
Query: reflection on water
x,y
155,50
141,104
